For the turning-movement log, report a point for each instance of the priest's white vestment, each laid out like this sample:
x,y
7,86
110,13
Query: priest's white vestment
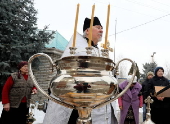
x,y
57,114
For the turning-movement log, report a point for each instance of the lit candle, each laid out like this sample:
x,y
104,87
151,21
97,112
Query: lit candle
x,y
107,26
75,26
91,24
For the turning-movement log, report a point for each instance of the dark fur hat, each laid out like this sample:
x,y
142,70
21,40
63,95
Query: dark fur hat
x,y
87,21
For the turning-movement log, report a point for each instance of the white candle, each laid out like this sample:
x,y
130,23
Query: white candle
x,y
107,26
91,25
75,26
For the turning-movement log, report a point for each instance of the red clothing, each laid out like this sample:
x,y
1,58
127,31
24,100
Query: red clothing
x,y
7,88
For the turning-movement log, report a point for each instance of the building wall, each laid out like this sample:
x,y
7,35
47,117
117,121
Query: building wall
x,y
44,72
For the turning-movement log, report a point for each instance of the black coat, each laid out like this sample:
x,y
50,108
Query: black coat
x,y
144,89
157,81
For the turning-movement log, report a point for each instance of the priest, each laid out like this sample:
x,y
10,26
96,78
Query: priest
x,y
57,114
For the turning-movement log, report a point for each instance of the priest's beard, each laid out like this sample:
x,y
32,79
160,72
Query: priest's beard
x,y
100,39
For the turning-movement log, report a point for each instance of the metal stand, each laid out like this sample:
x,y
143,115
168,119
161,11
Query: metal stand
x,y
31,118
72,50
89,50
84,115
148,114
105,53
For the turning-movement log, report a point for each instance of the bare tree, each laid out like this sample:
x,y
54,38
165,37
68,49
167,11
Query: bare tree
x,y
123,71
167,71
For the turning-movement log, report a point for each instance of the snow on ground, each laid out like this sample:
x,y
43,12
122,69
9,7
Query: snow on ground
x,y
39,115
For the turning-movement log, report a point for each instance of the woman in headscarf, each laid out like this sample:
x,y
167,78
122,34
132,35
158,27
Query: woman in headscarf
x,y
160,108
130,102
16,95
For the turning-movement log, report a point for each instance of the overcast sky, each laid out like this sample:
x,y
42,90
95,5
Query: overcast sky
x,y
143,26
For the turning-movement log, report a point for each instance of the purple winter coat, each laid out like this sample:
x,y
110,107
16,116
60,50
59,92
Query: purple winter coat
x,y
130,98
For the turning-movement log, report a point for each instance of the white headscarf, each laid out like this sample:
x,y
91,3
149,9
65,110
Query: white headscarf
x,y
130,77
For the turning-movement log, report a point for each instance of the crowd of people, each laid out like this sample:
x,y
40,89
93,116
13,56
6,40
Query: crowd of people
x,y
136,95
129,103
17,91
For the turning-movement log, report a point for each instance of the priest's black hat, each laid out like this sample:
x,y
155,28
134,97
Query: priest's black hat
x,y
87,21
